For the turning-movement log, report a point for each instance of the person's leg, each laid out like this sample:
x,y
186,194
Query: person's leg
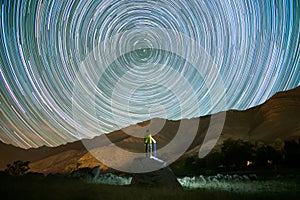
x,y
150,150
146,150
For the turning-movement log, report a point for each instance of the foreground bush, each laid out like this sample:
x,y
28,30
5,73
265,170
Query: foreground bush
x,y
18,167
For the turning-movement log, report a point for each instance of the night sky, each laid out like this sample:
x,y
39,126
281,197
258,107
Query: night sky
x,y
78,69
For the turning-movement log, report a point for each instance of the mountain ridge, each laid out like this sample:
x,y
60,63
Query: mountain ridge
x,y
276,118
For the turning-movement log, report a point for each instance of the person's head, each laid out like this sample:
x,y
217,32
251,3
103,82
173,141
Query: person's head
x,y
147,133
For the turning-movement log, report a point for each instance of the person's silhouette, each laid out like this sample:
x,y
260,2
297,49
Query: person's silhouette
x,y
149,140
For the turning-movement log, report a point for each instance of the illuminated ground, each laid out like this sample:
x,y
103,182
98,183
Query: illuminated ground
x,y
58,187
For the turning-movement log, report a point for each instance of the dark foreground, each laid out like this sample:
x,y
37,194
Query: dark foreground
x,y
59,187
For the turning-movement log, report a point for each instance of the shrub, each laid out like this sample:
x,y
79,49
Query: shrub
x,y
237,152
18,167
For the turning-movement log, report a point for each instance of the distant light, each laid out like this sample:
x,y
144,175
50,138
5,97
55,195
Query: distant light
x,y
270,161
249,163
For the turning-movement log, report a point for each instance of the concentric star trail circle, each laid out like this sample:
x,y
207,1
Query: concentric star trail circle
x,y
254,44
159,78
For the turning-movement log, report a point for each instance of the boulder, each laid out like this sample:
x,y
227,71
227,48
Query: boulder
x,y
202,179
253,176
86,173
245,177
112,179
162,177
95,172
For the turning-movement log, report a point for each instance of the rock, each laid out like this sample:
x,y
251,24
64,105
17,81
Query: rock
x,y
245,177
186,181
86,173
145,164
202,179
193,179
209,178
253,176
95,172
228,177
215,180
163,177
220,176
112,179
183,181
236,177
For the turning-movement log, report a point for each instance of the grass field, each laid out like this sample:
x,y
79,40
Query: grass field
x,y
59,187
270,186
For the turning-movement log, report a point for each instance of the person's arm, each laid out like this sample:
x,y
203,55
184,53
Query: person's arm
x,y
154,141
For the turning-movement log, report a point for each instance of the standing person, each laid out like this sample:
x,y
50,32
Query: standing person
x,y
149,140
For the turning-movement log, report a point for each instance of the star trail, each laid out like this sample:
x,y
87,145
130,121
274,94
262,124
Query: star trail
x,y
48,92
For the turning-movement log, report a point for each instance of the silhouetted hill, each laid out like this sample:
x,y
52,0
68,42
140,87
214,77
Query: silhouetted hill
x,y
276,118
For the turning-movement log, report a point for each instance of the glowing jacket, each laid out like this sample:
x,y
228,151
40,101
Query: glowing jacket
x,y
148,139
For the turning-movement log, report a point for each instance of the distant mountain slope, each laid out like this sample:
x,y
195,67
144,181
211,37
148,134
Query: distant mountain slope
x,y
279,117
10,153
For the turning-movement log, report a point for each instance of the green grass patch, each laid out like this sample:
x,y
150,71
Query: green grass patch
x,y
56,187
